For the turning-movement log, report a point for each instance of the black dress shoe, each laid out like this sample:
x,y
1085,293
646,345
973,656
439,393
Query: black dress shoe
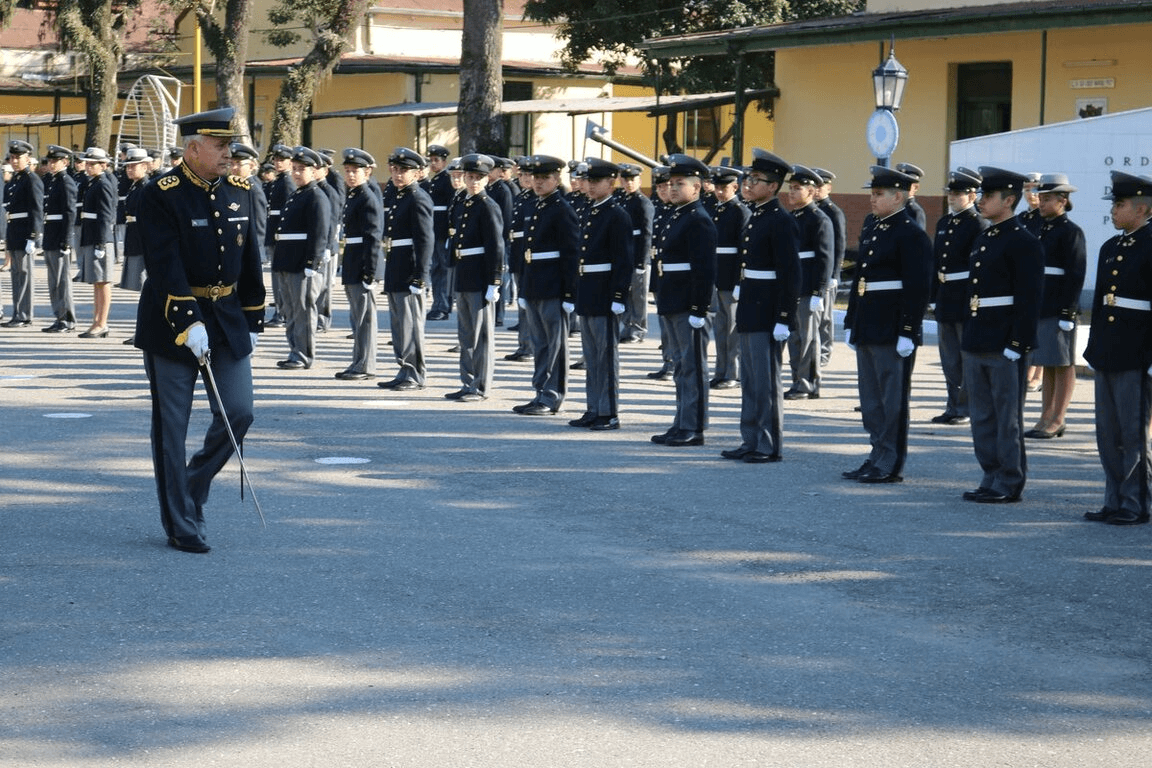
x,y
663,374
390,384
454,349
14,323
471,397
756,457
662,439
854,474
455,395
578,365
684,438
523,406
1127,517
519,355
956,420
130,341
1100,515
976,494
995,497
355,375
437,315
604,423
736,454
538,409
514,327
724,384
407,385
631,339
944,418
276,322
94,333
57,327
291,365
794,395
583,421
189,544
876,476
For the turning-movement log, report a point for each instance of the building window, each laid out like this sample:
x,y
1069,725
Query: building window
x,y
701,128
518,128
983,99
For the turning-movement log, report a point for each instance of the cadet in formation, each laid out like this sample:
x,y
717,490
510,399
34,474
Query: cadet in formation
x,y
24,211
363,216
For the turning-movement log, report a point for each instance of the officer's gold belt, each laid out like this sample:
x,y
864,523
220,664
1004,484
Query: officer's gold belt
x,y
213,292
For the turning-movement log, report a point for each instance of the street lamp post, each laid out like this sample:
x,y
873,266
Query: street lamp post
x,y
888,81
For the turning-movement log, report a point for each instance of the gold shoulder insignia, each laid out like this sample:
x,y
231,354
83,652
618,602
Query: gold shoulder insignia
x,y
236,181
168,182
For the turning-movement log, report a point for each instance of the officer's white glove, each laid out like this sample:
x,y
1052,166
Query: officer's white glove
x,y
493,294
695,322
736,293
848,338
816,304
415,290
904,346
66,250
617,308
1066,325
255,338
327,255
197,341
568,307
1011,354
833,285
98,253
366,285
309,272
780,332
640,271
932,307
30,247
522,302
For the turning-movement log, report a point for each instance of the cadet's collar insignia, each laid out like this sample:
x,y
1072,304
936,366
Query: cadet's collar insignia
x,y
883,226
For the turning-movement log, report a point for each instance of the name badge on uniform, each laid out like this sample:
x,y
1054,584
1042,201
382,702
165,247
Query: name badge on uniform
x,y
199,222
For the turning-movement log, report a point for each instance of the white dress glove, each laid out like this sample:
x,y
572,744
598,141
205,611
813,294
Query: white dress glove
x,y
30,247
366,286
568,307
327,255
848,339
816,304
736,293
255,339
639,271
617,308
833,285
932,307
1011,354
695,322
197,341
309,272
493,294
904,346
780,332
1066,325
415,290
98,253
522,302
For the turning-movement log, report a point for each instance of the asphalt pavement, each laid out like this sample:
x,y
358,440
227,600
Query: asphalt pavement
x,y
446,585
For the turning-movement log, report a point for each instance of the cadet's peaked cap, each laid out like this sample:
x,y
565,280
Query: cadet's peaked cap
x,y
1126,185
57,152
357,156
455,165
17,147
543,164
660,174
281,151
826,176
307,156
629,170
725,174
602,169
580,171
803,175
889,178
136,155
175,152
406,158
476,163
503,163
242,151
686,165
766,162
911,170
1054,182
437,150
127,145
217,122
999,179
95,155
963,180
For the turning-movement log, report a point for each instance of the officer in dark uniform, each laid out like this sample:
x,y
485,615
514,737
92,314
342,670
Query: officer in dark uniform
x,y
913,208
204,294
948,299
686,270
301,240
640,209
836,216
363,230
24,204
730,215
1006,273
523,208
1120,350
477,247
439,187
766,292
884,321
59,219
277,193
816,263
548,285
408,236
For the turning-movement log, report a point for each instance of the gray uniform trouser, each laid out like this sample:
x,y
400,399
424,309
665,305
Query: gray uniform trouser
x,y
687,347
996,404
804,349
182,488
59,267
727,340
440,275
827,326
884,380
326,275
296,300
1122,412
761,393
548,339
599,340
949,335
362,318
475,319
406,319
22,287
635,319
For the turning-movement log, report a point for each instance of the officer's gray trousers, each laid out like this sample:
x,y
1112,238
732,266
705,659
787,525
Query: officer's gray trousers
x,y
22,287
761,393
362,318
599,339
58,265
951,360
296,300
406,319
548,340
804,349
475,319
996,404
884,380
727,340
1122,412
688,349
326,275
440,275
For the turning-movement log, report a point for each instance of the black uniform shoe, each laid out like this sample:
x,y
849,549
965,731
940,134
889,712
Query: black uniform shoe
x,y
663,374
519,355
736,454
583,421
578,365
406,385
662,439
355,375
1126,517
437,315
976,494
875,476
523,406
792,394
455,395
189,544
471,397
993,497
723,384
538,409
1100,515
291,365
604,423
756,457
57,327
685,438
14,323
854,474
631,339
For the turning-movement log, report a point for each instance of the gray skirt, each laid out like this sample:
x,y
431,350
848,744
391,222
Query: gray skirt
x,y
132,274
1054,348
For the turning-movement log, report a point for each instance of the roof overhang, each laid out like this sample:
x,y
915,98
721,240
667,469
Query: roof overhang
x,y
30,120
871,27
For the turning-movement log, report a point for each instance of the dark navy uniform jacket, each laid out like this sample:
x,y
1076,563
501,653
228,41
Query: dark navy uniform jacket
x,y
440,189
98,210
769,243
550,227
730,218
1031,220
133,244
277,193
1065,263
479,226
59,211
408,218
307,212
955,234
363,219
815,246
336,213
1006,260
605,238
688,240
839,227
123,184
502,193
894,249
522,208
199,239
24,202
641,211
916,213
1121,337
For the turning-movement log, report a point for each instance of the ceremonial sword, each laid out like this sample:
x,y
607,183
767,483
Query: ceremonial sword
x,y
206,364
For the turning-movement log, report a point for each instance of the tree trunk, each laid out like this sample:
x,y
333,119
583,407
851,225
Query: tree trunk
x,y
229,46
95,31
478,116
671,142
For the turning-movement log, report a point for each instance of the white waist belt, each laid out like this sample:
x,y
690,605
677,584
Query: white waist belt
x,y
274,212
439,208
54,217
807,254
1053,270
129,219
586,268
678,267
947,277
882,285
991,301
291,236
760,274
517,235
22,215
86,215
471,251
725,250
1112,300
398,243
545,255
353,240
635,233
